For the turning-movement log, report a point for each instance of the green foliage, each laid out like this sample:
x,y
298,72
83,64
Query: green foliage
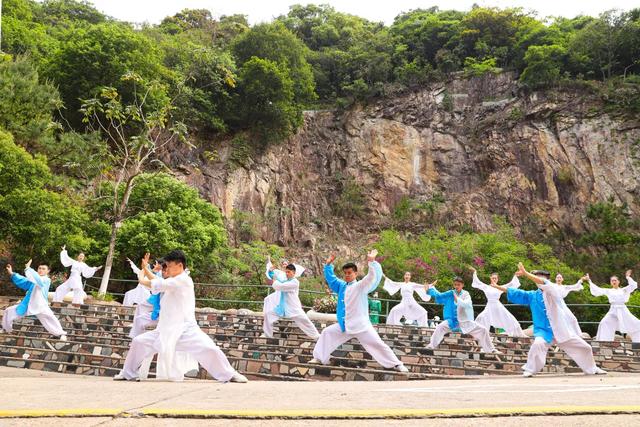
x,y
476,68
267,99
106,297
351,199
26,104
613,245
544,64
36,221
245,226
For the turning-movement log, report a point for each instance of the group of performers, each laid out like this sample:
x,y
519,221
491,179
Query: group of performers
x,y
165,301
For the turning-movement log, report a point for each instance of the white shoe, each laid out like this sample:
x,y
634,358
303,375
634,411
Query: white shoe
x,y
315,361
429,347
238,378
263,336
600,371
63,338
527,374
401,368
120,377
495,351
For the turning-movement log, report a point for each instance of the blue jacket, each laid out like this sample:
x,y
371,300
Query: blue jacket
x,y
450,309
26,284
541,324
154,300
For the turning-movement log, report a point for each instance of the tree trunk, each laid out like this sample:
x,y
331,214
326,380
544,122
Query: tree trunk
x,y
119,216
109,261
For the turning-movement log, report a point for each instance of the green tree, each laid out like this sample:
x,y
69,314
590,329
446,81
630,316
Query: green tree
x,y
544,65
275,43
266,99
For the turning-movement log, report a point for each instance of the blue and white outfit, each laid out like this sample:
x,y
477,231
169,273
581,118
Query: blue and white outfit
x,y
147,311
137,295
458,317
35,303
549,324
353,318
285,303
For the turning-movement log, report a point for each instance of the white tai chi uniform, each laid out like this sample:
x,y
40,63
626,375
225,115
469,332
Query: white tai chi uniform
x,y
458,317
408,307
35,303
353,318
74,282
137,295
495,314
285,303
619,318
565,327
177,331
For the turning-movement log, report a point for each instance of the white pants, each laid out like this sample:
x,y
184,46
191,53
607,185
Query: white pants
x,y
47,318
332,337
63,290
141,319
303,322
610,324
419,315
193,341
480,333
576,348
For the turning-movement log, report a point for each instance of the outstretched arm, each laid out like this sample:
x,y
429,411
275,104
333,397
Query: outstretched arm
x,y
535,279
330,276
476,282
65,259
632,286
374,275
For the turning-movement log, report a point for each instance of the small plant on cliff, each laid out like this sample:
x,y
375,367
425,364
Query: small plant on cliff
x,y
565,175
351,201
476,68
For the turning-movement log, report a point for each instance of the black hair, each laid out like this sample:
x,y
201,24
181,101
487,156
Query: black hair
x,y
44,265
543,273
351,266
458,279
176,256
494,274
290,267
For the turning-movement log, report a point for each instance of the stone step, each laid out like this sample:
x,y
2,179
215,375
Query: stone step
x,y
411,347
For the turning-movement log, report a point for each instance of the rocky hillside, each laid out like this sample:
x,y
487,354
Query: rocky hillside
x,y
480,147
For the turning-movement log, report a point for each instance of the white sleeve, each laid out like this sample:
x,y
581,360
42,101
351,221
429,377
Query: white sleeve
x,y
390,286
421,291
596,290
632,286
134,267
88,272
287,286
269,265
514,283
476,283
299,270
65,259
162,285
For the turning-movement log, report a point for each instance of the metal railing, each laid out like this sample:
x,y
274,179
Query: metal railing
x,y
432,308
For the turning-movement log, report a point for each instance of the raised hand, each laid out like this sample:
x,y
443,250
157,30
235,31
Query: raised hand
x,y
472,269
98,268
9,269
28,264
64,247
585,278
627,273
371,256
330,260
521,268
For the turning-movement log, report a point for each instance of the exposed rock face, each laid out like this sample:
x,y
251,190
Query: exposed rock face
x,y
536,159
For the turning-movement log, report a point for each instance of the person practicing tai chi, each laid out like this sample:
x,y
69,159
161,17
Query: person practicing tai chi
x,y
285,303
458,317
408,307
137,295
177,329
74,283
550,324
274,273
618,318
353,315
35,302
495,314
148,311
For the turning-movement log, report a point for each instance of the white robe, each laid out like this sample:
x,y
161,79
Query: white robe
x,y
563,321
408,306
74,282
293,308
495,314
177,332
137,295
618,318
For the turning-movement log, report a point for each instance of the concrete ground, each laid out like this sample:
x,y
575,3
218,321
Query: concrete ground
x,y
87,401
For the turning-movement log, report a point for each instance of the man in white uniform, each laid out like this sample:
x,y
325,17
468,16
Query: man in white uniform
x,y
177,330
353,315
